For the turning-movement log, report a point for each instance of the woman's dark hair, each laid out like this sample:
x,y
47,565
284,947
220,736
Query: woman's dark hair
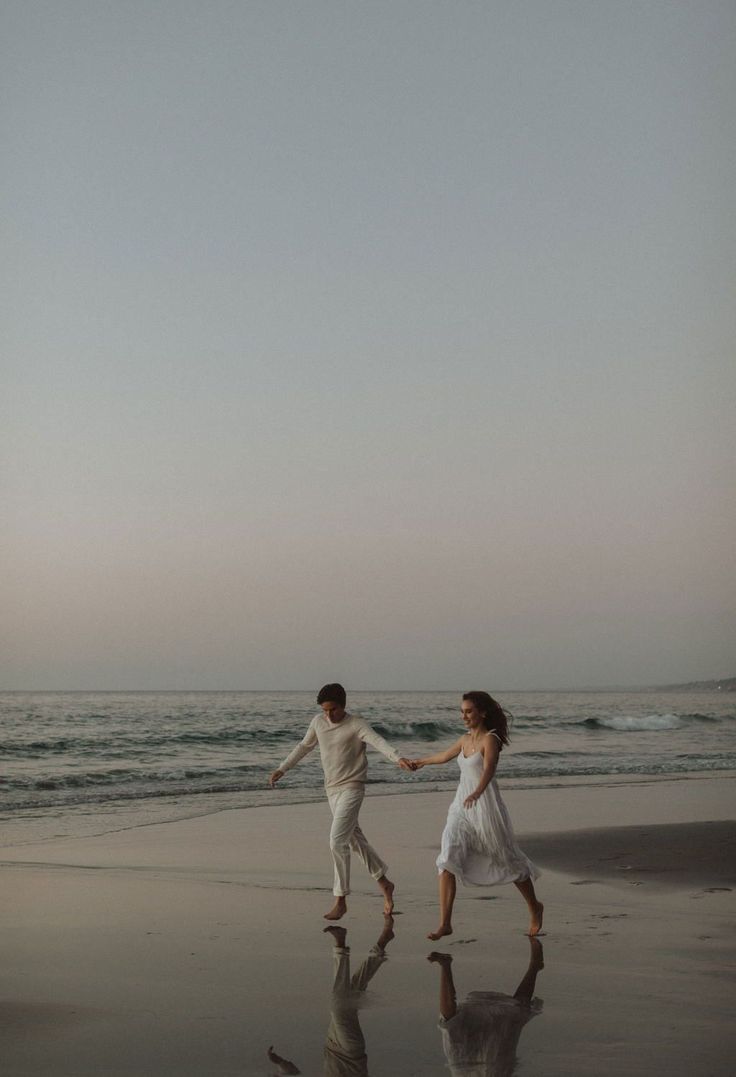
x,y
495,718
332,693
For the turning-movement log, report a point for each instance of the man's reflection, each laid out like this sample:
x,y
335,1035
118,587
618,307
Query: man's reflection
x,y
345,1046
344,1054
480,1036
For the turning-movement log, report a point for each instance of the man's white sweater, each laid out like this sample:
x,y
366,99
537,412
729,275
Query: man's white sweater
x,y
342,748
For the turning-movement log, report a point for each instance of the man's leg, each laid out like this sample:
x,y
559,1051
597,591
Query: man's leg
x,y
344,805
375,865
373,862
345,1045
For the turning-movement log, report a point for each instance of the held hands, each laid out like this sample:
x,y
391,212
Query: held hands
x,y
407,764
275,777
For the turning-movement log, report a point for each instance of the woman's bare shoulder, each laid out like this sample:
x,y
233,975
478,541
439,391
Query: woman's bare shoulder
x,y
492,738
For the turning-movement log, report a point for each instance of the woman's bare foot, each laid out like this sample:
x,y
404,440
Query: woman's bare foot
x,y
442,930
387,889
439,959
339,934
338,910
535,924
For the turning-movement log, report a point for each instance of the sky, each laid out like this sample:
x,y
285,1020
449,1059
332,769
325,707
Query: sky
x,y
388,343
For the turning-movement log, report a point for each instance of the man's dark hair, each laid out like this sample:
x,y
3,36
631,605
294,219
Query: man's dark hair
x,y
332,693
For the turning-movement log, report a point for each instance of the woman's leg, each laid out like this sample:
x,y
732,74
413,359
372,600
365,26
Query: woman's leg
x,y
525,991
448,889
448,996
536,908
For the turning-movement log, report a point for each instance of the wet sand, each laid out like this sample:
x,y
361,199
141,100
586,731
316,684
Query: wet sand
x,y
677,854
190,947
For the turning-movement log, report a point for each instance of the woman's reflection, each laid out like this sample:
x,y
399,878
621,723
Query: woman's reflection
x,y
481,1035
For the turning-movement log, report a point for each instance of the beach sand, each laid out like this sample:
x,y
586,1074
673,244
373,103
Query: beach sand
x,y
190,947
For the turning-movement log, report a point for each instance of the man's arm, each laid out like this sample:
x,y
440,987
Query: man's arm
x,y
304,747
369,736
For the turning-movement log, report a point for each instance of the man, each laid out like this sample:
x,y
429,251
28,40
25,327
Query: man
x,y
342,739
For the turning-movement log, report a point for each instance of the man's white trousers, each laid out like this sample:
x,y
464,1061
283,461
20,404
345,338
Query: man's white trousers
x,y
345,834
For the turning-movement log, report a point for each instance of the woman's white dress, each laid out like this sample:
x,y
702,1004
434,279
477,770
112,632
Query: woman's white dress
x,y
478,843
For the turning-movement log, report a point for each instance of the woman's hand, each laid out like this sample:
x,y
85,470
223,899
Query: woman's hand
x,y
416,764
470,801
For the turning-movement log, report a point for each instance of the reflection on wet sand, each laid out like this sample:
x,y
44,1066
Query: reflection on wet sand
x,y
481,1035
345,1046
283,1065
344,1053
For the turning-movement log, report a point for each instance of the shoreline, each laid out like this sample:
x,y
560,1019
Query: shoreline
x,y
39,824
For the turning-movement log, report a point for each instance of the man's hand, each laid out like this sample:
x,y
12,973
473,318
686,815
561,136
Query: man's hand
x,y
277,774
406,764
283,1063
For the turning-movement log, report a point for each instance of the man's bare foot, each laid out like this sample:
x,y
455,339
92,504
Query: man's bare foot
x,y
535,924
442,930
284,1065
339,934
387,889
338,910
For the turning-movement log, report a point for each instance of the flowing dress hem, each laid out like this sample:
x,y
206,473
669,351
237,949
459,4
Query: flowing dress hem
x,y
532,873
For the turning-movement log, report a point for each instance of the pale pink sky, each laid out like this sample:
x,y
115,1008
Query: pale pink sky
x,y
390,342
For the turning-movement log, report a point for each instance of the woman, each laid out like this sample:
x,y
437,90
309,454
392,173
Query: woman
x,y
478,842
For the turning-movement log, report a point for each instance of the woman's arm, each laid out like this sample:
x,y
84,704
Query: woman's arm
x,y
440,757
491,750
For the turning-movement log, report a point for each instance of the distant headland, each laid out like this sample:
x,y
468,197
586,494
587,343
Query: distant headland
x,y
726,684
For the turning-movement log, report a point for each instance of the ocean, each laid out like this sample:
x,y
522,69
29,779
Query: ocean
x,y
96,761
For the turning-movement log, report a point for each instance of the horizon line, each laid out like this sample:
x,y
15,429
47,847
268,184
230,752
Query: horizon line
x,y
395,691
